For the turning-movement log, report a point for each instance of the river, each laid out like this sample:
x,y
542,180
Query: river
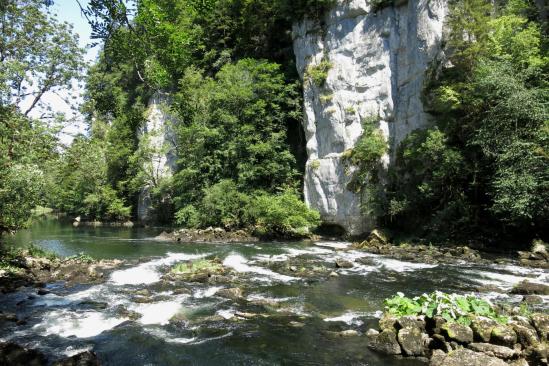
x,y
296,316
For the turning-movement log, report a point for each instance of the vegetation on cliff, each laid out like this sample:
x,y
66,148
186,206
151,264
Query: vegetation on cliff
x,y
482,170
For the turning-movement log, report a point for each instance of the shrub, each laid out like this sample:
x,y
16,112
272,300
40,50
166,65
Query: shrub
x,y
283,214
451,307
223,204
188,217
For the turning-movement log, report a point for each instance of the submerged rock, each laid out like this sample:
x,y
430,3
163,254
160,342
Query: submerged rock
x,y
231,293
530,288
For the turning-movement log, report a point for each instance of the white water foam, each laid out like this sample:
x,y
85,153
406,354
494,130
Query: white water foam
x,y
147,273
349,318
207,292
226,313
239,264
79,324
159,312
334,244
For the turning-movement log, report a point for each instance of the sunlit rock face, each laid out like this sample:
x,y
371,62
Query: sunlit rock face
x,y
379,62
157,144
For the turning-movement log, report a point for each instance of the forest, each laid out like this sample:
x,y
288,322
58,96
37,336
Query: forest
x,y
481,171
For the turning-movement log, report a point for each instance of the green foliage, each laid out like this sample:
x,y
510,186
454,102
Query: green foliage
x,y
79,185
451,307
36,252
223,204
38,54
201,265
188,217
366,158
483,167
235,128
318,74
81,257
282,214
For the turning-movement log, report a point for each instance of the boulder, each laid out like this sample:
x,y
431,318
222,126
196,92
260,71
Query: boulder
x,y
530,288
526,335
411,322
457,332
342,263
540,248
385,342
411,341
519,362
388,321
378,237
503,335
482,328
231,293
532,299
493,350
537,355
87,358
466,357
541,323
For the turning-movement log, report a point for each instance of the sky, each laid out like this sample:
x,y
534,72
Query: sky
x,y
68,10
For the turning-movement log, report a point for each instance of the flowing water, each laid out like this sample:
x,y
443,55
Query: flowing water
x,y
296,316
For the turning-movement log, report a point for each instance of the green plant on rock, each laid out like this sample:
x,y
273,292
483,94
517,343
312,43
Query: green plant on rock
x,y
315,164
451,307
318,74
366,157
326,98
201,265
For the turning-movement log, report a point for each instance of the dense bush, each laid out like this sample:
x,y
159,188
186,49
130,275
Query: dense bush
x,y
282,214
484,167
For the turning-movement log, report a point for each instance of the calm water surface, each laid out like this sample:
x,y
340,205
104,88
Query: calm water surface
x,y
188,324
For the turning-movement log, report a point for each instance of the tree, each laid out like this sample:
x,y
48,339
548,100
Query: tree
x,y
38,54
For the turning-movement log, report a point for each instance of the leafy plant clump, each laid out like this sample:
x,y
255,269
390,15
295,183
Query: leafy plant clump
x,y
319,73
201,265
452,307
81,257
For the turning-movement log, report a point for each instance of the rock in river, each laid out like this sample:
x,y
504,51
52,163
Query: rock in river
x,y
465,357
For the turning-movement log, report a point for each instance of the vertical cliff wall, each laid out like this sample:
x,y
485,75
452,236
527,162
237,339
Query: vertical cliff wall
x,y
157,144
378,64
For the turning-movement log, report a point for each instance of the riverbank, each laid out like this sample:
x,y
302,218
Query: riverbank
x,y
35,267
457,330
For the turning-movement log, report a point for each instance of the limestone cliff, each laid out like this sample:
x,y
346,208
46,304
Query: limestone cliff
x,y
157,145
378,64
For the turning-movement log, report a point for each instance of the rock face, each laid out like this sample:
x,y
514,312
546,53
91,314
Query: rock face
x,y
157,141
378,64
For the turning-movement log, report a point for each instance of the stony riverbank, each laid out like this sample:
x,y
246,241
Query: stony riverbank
x,y
208,235
24,269
378,243
519,341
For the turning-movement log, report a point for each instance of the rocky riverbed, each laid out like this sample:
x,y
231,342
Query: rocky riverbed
x,y
239,303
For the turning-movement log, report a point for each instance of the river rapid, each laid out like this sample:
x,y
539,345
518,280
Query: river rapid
x,y
290,314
